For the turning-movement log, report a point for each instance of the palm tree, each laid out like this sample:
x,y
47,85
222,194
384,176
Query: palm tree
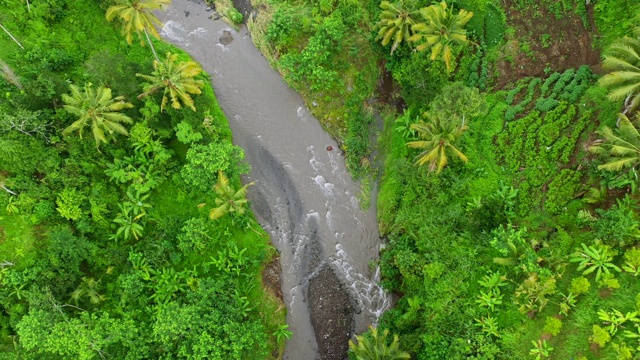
x,y
622,60
437,138
376,347
98,109
395,22
622,145
177,80
137,17
228,199
441,30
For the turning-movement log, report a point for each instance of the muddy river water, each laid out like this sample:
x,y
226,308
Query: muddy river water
x,y
304,196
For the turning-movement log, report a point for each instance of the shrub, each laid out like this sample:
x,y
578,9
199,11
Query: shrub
x,y
580,285
632,261
204,162
552,325
600,336
69,202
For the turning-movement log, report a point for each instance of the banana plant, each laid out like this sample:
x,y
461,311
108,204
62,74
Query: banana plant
x,y
541,350
128,222
596,259
614,319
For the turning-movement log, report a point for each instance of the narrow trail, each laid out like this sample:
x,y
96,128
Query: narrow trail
x,y
304,196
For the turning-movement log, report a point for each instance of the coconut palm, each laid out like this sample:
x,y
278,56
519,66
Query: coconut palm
x,y
227,198
437,137
621,146
98,109
137,17
396,20
441,30
622,60
177,80
376,347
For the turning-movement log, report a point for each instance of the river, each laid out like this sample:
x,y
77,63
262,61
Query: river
x,y
304,196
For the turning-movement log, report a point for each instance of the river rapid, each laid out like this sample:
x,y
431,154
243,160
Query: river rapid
x,y
304,196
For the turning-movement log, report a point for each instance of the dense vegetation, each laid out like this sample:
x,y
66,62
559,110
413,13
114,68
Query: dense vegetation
x,y
516,233
123,233
508,193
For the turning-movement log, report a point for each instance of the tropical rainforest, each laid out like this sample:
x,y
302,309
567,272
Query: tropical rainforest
x,y
123,230
504,135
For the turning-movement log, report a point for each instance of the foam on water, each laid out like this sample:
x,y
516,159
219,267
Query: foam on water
x,y
199,32
371,297
172,30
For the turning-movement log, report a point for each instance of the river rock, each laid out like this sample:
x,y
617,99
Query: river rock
x,y
225,38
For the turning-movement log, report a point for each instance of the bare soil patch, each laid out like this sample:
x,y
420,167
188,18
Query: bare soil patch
x,y
543,42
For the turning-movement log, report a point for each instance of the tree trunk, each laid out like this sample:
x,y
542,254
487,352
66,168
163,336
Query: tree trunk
x,y
28,6
12,38
151,45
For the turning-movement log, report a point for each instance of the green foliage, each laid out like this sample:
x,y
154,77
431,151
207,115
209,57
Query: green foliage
x,y
128,223
286,23
541,350
282,333
396,22
621,146
552,325
488,325
600,336
137,16
632,261
186,134
614,319
96,108
313,67
88,288
69,204
208,323
194,236
595,258
376,347
438,138
532,295
205,161
176,79
228,200
53,334
441,31
617,226
235,15
580,285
